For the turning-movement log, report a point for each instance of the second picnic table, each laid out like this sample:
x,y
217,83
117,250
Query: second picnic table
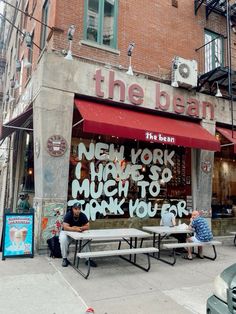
x,y
161,232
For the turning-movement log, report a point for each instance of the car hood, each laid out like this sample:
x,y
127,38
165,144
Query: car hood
x,y
229,275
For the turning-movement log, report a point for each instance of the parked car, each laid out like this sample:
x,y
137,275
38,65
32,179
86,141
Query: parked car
x,y
223,300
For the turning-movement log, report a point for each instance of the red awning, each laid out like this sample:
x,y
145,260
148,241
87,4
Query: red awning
x,y
125,123
229,135
16,124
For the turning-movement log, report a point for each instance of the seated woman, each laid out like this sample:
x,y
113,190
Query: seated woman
x,y
168,220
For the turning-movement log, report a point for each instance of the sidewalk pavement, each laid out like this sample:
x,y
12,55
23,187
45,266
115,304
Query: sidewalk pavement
x,y
41,285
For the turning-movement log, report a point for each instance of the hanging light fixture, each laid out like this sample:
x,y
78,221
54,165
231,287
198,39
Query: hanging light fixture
x,y
129,53
18,65
28,39
70,36
12,83
11,99
218,92
17,85
26,63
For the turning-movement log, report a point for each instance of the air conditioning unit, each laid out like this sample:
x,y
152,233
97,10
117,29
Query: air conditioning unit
x,y
184,73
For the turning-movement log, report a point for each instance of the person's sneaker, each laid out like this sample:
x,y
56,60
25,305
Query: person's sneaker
x,y
65,262
92,263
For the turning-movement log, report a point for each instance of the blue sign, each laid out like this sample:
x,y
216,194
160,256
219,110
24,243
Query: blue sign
x,y
18,235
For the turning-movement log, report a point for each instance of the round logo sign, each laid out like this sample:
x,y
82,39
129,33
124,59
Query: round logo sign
x,y
206,166
56,145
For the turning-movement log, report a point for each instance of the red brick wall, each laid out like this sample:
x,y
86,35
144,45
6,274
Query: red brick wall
x,y
159,30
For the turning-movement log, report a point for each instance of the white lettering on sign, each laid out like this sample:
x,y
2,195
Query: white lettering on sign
x,y
109,176
179,209
159,138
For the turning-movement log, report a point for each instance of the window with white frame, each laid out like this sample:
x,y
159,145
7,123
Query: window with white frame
x,y
101,22
214,51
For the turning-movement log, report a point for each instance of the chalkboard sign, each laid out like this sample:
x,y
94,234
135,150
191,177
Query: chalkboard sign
x,y
18,235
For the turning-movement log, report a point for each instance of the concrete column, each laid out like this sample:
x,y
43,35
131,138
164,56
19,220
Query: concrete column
x,y
202,169
52,115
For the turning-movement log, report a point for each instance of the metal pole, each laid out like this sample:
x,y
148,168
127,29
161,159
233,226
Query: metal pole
x,y
228,14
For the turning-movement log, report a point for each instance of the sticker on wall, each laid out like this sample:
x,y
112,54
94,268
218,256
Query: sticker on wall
x,y
206,166
37,147
56,145
52,220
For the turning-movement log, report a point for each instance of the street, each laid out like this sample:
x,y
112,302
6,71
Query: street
x,y
41,285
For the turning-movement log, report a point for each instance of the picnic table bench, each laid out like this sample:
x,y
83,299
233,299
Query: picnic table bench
x,y
160,233
234,233
119,252
193,245
129,236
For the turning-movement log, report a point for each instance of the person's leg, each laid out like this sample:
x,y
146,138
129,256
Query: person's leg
x,y
86,248
64,243
189,249
181,237
200,251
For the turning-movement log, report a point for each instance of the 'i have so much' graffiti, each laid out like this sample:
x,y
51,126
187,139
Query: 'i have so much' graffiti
x,y
110,178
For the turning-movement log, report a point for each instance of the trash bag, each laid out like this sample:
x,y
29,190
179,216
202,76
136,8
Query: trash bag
x,y
54,247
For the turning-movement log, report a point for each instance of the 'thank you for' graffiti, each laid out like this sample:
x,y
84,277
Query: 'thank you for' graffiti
x,y
110,176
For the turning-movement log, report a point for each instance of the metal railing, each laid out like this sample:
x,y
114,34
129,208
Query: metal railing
x,y
212,54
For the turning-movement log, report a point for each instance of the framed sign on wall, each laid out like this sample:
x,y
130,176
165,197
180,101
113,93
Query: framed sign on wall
x,y
18,235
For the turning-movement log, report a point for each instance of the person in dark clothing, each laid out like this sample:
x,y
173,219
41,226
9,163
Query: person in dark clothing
x,y
75,221
23,204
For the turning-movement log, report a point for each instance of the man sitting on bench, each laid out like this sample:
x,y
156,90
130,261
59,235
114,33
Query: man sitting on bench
x,y
202,233
76,221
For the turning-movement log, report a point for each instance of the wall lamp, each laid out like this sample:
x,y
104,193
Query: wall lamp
x,y
27,14
28,40
218,92
22,33
129,53
70,36
18,65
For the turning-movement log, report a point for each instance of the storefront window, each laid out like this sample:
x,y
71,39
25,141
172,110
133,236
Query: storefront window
x,y
27,178
224,181
121,179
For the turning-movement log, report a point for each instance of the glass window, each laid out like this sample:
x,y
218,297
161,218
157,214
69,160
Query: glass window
x,y
100,21
213,51
126,180
30,55
27,179
43,36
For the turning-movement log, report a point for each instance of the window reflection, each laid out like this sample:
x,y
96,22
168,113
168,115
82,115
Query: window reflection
x,y
108,22
92,20
100,21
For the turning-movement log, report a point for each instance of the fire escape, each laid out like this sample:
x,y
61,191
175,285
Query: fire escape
x,y
217,60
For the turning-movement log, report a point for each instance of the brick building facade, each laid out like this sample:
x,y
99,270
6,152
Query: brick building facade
x,y
50,126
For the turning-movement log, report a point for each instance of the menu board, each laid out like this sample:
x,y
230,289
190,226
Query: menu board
x,y
18,235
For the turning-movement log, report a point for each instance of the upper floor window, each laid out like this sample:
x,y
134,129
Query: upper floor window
x,y
101,21
213,51
30,56
43,36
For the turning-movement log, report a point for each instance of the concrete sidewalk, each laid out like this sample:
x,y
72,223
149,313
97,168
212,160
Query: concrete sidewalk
x,y
41,285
